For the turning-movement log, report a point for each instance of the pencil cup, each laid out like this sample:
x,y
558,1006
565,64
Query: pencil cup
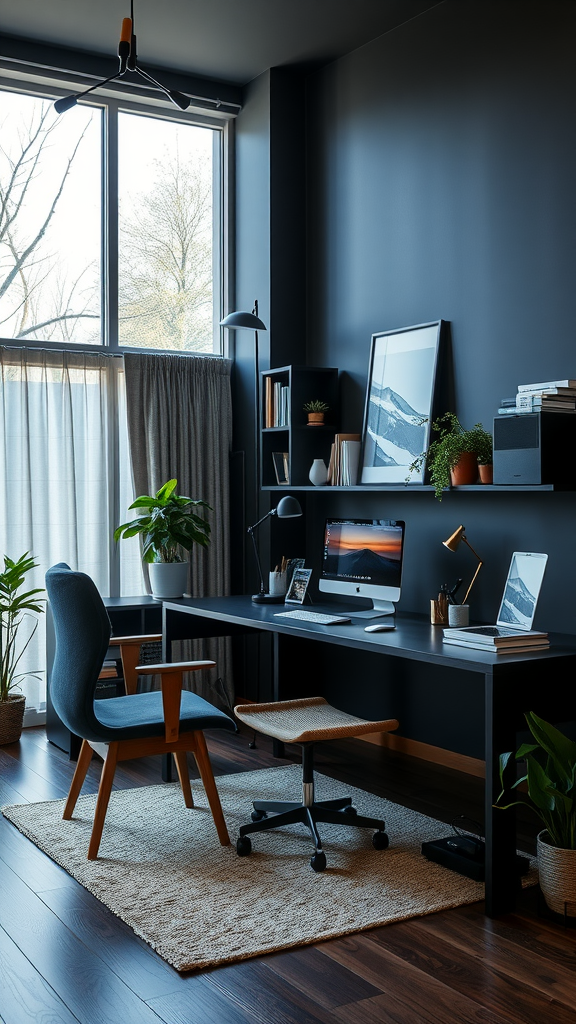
x,y
458,615
277,585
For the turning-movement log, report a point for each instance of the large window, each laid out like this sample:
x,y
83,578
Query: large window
x,y
111,236
110,226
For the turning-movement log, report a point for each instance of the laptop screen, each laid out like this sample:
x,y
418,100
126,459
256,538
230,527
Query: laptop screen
x,y
521,590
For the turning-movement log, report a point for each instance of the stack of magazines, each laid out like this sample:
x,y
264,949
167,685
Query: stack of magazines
x,y
497,639
548,396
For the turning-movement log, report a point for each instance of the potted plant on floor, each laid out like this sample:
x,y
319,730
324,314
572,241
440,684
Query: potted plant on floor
x,y
551,788
14,606
453,458
167,524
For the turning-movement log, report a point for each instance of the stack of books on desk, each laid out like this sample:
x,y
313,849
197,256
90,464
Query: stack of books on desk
x,y
550,396
497,639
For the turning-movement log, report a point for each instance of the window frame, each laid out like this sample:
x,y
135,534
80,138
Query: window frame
x,y
127,100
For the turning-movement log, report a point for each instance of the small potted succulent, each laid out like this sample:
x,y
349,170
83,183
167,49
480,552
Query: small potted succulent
x,y
454,457
167,524
551,793
14,606
316,410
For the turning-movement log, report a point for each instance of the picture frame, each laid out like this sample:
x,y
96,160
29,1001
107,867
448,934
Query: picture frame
x,y
400,402
281,462
298,586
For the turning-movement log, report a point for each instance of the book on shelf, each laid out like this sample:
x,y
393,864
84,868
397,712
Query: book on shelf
x,y
511,649
568,392
350,459
335,475
276,403
547,385
493,637
526,400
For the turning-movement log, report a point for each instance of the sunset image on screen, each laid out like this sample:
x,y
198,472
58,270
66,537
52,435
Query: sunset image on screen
x,y
364,552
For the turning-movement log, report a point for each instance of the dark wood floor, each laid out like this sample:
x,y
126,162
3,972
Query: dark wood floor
x,y
65,958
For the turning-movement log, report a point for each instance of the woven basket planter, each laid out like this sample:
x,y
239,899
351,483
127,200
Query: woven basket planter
x,y
557,870
11,718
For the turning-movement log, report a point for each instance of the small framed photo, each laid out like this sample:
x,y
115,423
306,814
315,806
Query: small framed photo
x,y
298,586
281,462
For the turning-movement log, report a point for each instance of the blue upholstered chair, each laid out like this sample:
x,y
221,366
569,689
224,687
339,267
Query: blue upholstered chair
x,y
121,728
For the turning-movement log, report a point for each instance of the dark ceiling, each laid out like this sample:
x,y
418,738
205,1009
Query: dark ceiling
x,y
231,40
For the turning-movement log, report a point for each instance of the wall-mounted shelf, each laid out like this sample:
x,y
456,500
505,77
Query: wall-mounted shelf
x,y
413,488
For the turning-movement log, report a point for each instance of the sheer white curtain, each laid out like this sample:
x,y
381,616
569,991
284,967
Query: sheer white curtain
x,y
62,451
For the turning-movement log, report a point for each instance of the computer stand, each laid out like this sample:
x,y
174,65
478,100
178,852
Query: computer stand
x,y
378,610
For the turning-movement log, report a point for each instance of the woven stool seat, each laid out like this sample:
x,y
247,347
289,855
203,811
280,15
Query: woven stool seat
x,y
308,720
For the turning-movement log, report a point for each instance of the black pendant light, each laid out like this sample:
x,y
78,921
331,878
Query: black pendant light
x,y
128,62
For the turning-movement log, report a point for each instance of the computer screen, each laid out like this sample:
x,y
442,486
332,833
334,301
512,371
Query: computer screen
x,y
363,558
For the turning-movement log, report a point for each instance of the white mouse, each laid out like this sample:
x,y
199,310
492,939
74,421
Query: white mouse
x,y
379,627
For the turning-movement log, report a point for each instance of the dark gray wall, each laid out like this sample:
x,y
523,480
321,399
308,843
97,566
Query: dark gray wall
x,y
442,184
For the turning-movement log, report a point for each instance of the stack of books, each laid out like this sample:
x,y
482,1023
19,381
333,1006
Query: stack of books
x,y
550,396
276,403
497,639
344,460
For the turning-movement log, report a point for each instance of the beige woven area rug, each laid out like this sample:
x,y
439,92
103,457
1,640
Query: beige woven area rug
x,y
163,872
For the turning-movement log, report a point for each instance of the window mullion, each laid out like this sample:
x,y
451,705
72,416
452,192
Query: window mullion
x,y
110,232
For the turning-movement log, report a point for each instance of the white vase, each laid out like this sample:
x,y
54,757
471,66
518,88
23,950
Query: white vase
x,y
318,474
168,579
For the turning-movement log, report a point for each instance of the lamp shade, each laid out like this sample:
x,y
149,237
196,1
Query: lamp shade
x,y
288,508
453,542
241,318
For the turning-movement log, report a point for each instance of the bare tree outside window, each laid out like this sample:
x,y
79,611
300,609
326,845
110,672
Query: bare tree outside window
x,y
165,235
50,215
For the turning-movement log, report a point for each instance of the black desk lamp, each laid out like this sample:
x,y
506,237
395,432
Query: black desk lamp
x,y
453,544
287,508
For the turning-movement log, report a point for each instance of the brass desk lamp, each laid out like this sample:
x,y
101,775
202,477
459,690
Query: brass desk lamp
x,y
453,543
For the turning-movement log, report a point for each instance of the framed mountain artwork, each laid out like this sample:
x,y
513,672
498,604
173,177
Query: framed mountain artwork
x,y
399,402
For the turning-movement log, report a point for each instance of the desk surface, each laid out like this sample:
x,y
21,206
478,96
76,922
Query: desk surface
x,y
414,637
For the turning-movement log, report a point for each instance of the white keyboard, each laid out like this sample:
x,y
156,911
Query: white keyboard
x,y
322,618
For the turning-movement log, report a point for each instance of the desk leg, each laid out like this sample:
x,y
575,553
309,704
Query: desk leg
x,y
277,745
500,735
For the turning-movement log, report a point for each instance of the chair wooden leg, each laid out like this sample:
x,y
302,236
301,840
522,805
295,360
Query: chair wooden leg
x,y
106,779
82,765
184,776
205,769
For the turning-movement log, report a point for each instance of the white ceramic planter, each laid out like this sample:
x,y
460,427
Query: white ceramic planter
x,y
557,871
168,579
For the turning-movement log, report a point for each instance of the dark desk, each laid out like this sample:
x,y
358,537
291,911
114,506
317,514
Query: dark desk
x,y
542,681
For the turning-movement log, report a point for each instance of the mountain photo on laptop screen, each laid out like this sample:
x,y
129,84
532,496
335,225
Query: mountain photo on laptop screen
x,y
522,590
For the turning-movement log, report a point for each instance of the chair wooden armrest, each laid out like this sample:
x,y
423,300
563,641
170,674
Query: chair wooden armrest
x,y
130,655
148,638
171,680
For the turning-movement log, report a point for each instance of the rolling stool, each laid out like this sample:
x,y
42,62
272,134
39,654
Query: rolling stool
x,y
307,721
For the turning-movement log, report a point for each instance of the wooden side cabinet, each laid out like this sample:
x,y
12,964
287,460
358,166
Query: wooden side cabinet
x,y
129,616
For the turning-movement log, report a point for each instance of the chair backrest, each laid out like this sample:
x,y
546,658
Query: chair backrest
x,y
82,629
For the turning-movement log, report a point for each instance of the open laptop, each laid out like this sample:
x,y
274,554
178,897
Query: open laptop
x,y
517,607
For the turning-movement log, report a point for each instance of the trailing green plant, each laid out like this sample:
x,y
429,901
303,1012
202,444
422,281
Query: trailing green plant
x,y
167,522
550,778
443,453
316,406
14,604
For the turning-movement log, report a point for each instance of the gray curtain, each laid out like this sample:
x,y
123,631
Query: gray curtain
x,y
179,411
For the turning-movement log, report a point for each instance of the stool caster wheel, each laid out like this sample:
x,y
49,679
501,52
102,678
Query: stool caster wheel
x,y
258,815
318,861
350,810
243,846
380,841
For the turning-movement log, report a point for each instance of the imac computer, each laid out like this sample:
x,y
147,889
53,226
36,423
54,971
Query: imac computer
x,y
363,558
